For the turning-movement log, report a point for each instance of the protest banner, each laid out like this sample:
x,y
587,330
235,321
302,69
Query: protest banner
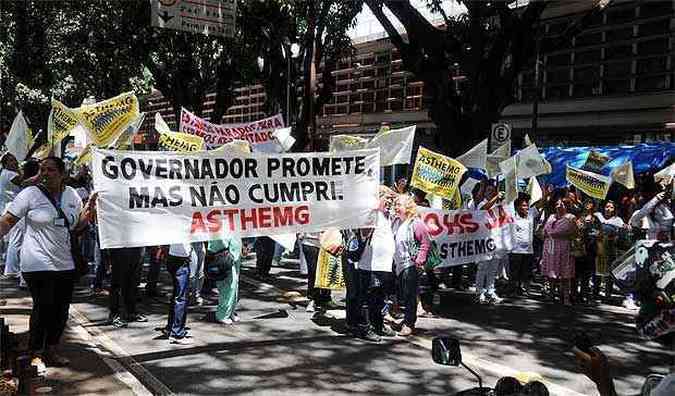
x,y
534,190
157,198
436,173
235,146
595,161
476,157
108,119
176,141
466,236
531,163
257,133
623,174
592,184
20,138
329,272
61,121
395,144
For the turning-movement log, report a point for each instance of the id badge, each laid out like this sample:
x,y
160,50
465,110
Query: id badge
x,y
59,222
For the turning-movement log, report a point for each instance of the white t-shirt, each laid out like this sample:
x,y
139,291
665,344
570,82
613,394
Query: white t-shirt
x,y
181,249
523,231
8,190
46,242
379,254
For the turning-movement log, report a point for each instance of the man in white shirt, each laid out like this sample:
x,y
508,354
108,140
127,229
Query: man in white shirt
x,y
522,254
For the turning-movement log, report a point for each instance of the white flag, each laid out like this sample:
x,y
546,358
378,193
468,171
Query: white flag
x,y
160,124
504,150
509,168
395,145
531,163
528,141
492,165
19,137
284,138
623,174
665,173
476,157
534,190
346,142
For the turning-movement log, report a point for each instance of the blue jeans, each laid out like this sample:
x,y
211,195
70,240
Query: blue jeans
x,y
179,268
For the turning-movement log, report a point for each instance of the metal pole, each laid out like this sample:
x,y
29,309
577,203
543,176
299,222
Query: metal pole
x,y
537,89
288,86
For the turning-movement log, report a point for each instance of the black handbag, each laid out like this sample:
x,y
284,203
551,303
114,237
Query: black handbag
x,y
219,265
81,265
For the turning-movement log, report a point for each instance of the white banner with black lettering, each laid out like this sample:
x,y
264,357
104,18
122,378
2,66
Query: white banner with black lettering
x,y
466,236
157,198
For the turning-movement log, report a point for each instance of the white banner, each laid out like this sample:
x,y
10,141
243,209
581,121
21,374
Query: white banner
x,y
531,163
258,133
19,138
465,236
476,157
395,144
156,198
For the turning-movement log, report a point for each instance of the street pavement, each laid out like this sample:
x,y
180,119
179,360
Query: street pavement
x,y
278,348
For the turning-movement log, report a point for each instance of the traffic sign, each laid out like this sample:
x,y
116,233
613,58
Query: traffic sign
x,y
209,17
501,134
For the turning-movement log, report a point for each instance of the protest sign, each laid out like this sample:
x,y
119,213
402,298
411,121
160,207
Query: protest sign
x,y
623,174
395,144
283,138
534,190
531,163
508,169
158,198
329,272
176,141
108,119
592,184
19,138
436,173
476,157
61,121
595,161
258,133
465,236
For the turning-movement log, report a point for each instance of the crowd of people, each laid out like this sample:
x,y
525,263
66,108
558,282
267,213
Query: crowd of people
x,y
566,240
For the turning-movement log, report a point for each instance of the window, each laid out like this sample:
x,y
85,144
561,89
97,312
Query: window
x,y
558,75
396,105
590,56
617,86
619,51
557,27
620,15
619,34
557,92
558,60
585,90
650,83
341,110
586,74
655,27
368,84
655,8
588,39
620,69
651,65
383,58
657,46
396,93
354,98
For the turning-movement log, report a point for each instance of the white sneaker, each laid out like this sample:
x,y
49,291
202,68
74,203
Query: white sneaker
x,y
472,289
629,303
180,341
310,306
495,299
482,299
235,318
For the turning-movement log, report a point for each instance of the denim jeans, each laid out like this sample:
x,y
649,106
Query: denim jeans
x,y
197,268
179,268
485,277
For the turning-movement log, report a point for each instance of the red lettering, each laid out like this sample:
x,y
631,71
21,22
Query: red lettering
x,y
230,217
467,220
215,221
302,215
433,224
278,123
264,217
252,218
452,224
282,216
197,223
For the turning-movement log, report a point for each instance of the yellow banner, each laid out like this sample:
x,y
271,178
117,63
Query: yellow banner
x,y
108,119
329,272
85,156
61,121
43,151
176,141
436,173
591,184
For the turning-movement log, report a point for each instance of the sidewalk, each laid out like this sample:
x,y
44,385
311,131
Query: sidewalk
x,y
88,373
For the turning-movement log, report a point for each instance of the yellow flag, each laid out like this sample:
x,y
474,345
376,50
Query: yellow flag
x,y
176,141
106,120
436,173
61,121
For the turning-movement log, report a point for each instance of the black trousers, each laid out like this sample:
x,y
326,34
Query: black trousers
x,y
352,308
52,292
264,253
408,283
124,263
319,296
371,293
520,268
